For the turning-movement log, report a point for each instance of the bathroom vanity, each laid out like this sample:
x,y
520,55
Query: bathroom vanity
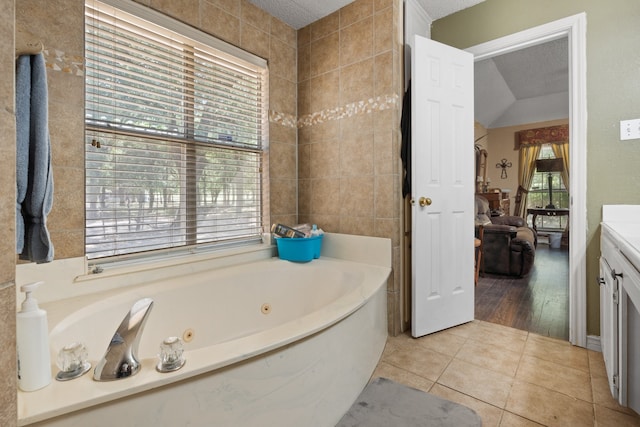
x,y
619,281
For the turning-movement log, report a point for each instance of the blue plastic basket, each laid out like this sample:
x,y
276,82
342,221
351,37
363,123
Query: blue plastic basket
x,y
299,249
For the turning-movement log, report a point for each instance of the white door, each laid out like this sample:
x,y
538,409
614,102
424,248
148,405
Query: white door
x,y
442,187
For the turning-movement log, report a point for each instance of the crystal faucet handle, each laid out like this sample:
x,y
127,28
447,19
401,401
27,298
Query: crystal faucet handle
x,y
72,361
171,355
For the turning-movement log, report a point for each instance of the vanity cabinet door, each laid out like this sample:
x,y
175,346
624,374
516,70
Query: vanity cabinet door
x,y
609,323
629,337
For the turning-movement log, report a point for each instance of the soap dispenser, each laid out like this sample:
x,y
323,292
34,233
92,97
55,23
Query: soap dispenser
x,y
32,338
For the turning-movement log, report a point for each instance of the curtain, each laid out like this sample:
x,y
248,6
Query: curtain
x,y
529,142
526,168
562,150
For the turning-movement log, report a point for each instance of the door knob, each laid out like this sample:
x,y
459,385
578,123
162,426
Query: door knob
x,y
424,201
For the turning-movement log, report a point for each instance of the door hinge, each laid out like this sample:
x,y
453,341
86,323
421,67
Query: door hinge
x,y
615,297
615,381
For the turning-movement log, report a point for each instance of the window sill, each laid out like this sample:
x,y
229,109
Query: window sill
x,y
70,277
169,265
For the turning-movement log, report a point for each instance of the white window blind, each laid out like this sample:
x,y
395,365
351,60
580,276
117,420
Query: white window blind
x,y
175,133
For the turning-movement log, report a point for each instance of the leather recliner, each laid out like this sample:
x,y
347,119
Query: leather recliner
x,y
508,244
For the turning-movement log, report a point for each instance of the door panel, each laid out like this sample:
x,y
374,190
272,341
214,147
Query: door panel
x,y
609,324
442,165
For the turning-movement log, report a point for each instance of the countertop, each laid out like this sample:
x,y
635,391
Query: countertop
x,y
622,224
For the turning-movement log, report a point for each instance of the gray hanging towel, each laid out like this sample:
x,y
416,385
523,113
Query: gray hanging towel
x,y
34,178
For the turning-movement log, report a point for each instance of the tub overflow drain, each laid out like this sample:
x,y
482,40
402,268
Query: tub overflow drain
x,y
187,335
266,308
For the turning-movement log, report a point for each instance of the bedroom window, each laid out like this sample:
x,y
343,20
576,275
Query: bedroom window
x,y
175,125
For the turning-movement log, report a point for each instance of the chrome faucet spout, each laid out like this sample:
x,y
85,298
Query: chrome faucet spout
x,y
120,360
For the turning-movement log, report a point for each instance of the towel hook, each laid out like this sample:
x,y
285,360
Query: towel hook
x,y
95,143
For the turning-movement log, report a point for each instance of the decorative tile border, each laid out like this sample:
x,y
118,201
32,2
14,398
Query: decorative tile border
x,y
371,105
286,120
57,60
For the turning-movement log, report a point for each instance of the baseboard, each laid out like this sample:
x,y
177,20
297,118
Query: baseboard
x,y
593,343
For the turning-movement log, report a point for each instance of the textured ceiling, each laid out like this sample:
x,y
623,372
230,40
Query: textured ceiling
x,y
437,9
525,86
300,13
537,70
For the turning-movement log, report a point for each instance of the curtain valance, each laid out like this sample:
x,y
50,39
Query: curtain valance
x,y
546,135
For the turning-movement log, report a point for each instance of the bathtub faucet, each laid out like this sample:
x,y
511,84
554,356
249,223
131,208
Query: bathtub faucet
x,y
120,359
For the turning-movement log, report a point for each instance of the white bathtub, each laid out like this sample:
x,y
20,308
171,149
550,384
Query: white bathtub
x,y
301,364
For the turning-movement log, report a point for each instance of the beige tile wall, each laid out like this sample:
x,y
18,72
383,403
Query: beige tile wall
x,y
335,86
8,404
349,105
59,24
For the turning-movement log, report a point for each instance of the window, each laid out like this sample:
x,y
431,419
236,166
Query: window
x,y
175,130
539,193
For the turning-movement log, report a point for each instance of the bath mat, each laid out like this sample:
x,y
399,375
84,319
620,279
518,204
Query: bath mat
x,y
384,403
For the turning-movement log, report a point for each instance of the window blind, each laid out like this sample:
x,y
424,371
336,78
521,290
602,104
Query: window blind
x,y
175,134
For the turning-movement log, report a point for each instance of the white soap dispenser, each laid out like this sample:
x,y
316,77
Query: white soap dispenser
x,y
32,338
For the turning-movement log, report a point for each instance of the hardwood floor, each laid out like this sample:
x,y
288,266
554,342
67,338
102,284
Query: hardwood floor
x,y
537,303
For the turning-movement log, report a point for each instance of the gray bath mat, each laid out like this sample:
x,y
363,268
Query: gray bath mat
x,y
384,403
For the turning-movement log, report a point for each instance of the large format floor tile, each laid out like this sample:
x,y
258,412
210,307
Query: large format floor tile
x,y
570,381
548,407
481,383
425,363
560,352
510,377
490,356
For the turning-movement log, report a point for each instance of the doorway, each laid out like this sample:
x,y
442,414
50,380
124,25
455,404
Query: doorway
x,y
517,92
574,29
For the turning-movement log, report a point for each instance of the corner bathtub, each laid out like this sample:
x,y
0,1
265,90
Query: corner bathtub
x,y
266,343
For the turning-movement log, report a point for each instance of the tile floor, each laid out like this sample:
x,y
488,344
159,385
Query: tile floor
x,y
508,376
